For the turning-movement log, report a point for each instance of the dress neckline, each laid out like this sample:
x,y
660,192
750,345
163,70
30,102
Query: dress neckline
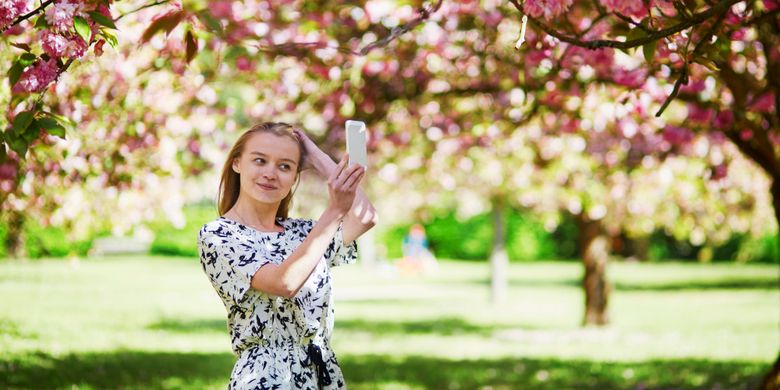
x,y
281,221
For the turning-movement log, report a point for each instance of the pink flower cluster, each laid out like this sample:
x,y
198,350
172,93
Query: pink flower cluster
x,y
37,77
60,15
12,9
677,136
547,8
59,45
632,8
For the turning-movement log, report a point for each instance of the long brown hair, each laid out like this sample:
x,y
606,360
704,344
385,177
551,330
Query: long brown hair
x,y
230,183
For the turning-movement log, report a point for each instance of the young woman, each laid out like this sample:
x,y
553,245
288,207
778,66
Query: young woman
x,y
272,272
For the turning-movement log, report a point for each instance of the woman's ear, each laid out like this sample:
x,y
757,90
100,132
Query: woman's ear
x,y
235,166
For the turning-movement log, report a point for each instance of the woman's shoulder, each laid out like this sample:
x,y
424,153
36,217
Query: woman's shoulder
x,y
220,227
298,224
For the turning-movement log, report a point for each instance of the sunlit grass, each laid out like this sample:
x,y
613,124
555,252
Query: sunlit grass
x,y
156,322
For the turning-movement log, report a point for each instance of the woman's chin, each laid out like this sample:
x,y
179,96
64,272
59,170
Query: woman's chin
x,y
264,197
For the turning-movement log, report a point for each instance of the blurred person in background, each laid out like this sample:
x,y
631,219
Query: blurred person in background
x,y
416,255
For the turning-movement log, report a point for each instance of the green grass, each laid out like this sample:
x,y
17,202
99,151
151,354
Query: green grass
x,y
155,322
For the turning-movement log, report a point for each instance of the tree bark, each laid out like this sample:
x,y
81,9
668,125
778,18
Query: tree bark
x,y
594,245
499,259
14,239
771,380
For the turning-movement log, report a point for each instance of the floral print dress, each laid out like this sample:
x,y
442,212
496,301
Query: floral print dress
x,y
281,343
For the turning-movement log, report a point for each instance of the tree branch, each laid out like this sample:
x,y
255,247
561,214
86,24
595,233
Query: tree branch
x,y
656,35
28,15
396,32
141,8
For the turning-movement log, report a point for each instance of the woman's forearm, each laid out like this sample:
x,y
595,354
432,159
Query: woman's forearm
x,y
288,277
362,216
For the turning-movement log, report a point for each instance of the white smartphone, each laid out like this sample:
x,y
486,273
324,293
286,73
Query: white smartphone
x,y
356,143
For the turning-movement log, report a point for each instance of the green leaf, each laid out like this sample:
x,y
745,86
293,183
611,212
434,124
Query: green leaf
x,y
64,121
634,34
82,28
710,64
165,23
27,59
22,121
14,73
110,38
19,146
32,133
209,21
52,126
41,23
192,45
649,51
102,19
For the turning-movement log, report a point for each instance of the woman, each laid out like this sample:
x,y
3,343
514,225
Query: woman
x,y
272,272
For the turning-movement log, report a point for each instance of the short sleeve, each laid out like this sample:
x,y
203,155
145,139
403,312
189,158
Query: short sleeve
x,y
339,254
228,262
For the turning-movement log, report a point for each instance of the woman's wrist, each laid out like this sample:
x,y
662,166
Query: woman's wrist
x,y
332,214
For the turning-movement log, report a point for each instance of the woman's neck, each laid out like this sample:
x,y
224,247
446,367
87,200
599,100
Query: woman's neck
x,y
261,216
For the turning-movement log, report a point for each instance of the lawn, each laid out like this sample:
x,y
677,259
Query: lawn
x,y
154,322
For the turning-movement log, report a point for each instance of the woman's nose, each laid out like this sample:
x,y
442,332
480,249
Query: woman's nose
x,y
269,173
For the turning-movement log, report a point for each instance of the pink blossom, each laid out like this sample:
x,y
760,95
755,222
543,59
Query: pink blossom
x,y
37,77
746,134
631,8
699,114
548,8
629,78
12,9
60,15
243,64
771,5
717,137
764,103
55,45
724,120
59,45
677,135
222,9
720,171
7,171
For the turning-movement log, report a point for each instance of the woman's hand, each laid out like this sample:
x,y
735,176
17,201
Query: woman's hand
x,y
312,150
343,184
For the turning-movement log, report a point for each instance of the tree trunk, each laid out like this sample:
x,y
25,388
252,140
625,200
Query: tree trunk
x,y
499,259
594,245
772,378
14,239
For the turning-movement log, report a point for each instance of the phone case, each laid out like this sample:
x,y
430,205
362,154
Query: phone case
x,y
356,143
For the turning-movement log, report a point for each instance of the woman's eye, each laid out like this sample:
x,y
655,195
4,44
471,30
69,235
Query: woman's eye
x,y
259,160
285,166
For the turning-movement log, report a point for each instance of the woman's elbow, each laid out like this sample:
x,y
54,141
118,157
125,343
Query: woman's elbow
x,y
373,219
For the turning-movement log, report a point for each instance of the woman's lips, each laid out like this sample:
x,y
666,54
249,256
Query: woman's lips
x,y
266,187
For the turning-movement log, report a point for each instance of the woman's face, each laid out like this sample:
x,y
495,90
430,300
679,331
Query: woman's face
x,y
268,167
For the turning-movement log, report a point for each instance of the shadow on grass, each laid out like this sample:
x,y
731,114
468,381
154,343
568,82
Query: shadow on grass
x,y
433,373
712,284
190,326
719,284
134,369
441,326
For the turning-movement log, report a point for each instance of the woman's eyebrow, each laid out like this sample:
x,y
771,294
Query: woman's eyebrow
x,y
282,159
